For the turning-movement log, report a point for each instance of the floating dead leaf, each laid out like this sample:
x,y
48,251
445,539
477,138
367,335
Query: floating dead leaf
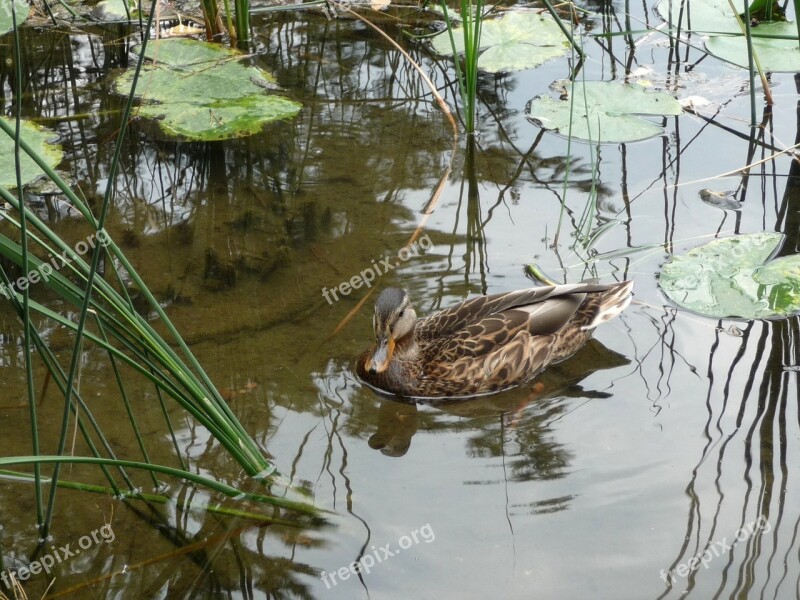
x,y
722,200
227,394
182,30
694,103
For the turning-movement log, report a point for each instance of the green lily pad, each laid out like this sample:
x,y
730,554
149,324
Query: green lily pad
x,y
200,91
704,16
21,8
775,55
114,10
734,277
520,40
38,138
604,111
716,17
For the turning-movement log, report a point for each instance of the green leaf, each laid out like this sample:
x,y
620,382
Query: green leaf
x,y
604,111
200,91
715,17
114,10
520,40
774,55
5,14
38,138
704,16
220,120
734,277
189,54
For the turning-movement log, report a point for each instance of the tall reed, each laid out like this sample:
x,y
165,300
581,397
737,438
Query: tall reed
x,y
104,315
237,20
467,74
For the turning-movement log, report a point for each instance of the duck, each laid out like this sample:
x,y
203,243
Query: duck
x,y
485,344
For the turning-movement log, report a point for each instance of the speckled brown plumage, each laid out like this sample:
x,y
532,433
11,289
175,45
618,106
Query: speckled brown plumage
x,y
485,344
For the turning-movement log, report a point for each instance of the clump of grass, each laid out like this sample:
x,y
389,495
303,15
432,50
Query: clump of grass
x,y
467,74
102,313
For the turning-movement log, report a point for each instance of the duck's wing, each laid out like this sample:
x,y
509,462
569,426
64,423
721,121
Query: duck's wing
x,y
546,308
480,337
478,327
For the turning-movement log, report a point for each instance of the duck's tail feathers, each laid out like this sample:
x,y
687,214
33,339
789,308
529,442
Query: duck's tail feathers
x,y
613,302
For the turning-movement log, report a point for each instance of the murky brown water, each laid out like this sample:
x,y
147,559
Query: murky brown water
x,y
659,442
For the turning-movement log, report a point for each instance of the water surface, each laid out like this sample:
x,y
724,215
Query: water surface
x,y
661,441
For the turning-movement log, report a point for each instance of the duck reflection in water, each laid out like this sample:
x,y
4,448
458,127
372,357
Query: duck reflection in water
x,y
399,417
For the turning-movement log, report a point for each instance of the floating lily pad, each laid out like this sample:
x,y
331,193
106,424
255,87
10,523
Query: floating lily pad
x,y
114,10
38,138
700,16
714,17
21,9
604,111
202,91
734,277
774,55
520,40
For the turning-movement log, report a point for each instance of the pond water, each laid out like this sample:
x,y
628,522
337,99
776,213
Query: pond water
x,y
669,439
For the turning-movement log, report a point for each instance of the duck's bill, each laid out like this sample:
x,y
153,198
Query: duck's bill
x,y
379,361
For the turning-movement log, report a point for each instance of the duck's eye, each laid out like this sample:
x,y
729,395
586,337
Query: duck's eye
x,y
402,312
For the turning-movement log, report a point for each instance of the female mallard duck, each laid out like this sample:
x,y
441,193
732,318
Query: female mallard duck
x,y
485,344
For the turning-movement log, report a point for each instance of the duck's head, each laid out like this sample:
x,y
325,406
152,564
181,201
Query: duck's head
x,y
394,318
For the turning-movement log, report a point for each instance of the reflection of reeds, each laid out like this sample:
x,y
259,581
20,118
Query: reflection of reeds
x,y
742,471
476,240
683,24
